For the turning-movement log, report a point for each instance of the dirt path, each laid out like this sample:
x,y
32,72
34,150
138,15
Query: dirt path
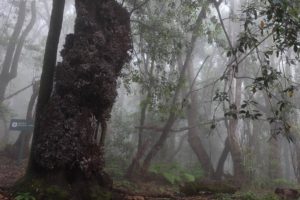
x,y
10,171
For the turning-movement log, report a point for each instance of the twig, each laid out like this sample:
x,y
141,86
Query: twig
x,y
160,129
138,7
17,92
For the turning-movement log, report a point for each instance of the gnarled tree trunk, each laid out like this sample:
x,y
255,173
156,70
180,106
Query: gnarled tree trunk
x,y
65,150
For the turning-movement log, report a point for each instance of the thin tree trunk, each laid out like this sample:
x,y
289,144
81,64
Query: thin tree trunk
x,y
134,167
274,159
193,120
220,167
182,140
173,116
20,45
14,49
235,149
50,55
297,163
4,76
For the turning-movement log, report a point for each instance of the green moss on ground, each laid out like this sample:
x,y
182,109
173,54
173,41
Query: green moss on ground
x,y
42,190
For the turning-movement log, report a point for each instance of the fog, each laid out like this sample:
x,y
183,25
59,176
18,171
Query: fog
x,y
210,93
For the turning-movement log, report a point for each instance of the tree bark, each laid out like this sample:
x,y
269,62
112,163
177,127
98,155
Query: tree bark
x,y
220,167
134,167
235,149
50,55
20,45
49,63
11,49
192,118
65,150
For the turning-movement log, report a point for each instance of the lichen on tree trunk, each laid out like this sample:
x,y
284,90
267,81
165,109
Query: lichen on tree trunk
x,y
84,93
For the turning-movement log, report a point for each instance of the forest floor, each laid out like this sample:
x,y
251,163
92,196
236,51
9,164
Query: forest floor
x,y
11,171
155,191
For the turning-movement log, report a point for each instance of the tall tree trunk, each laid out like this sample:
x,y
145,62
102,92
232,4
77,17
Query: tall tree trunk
x,y
46,82
50,55
173,116
193,120
65,151
134,167
297,160
274,159
220,167
235,149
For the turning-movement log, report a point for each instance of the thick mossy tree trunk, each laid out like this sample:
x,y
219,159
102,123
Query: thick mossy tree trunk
x,y
65,149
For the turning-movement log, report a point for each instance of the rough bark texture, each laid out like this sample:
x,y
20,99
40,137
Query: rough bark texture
x,y
83,95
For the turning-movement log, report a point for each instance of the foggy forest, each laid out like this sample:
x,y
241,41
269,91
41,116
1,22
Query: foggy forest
x,y
149,99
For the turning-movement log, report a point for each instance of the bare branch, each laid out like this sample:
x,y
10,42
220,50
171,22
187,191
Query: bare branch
x,y
160,129
138,6
17,92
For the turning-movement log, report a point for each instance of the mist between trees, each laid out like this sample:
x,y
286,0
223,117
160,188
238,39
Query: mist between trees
x,y
134,91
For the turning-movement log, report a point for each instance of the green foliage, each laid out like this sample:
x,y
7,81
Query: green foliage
x,y
99,193
41,189
175,174
128,185
115,168
56,193
270,196
24,196
283,183
248,196
215,187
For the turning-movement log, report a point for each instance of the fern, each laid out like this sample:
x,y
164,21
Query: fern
x,y
188,177
24,196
